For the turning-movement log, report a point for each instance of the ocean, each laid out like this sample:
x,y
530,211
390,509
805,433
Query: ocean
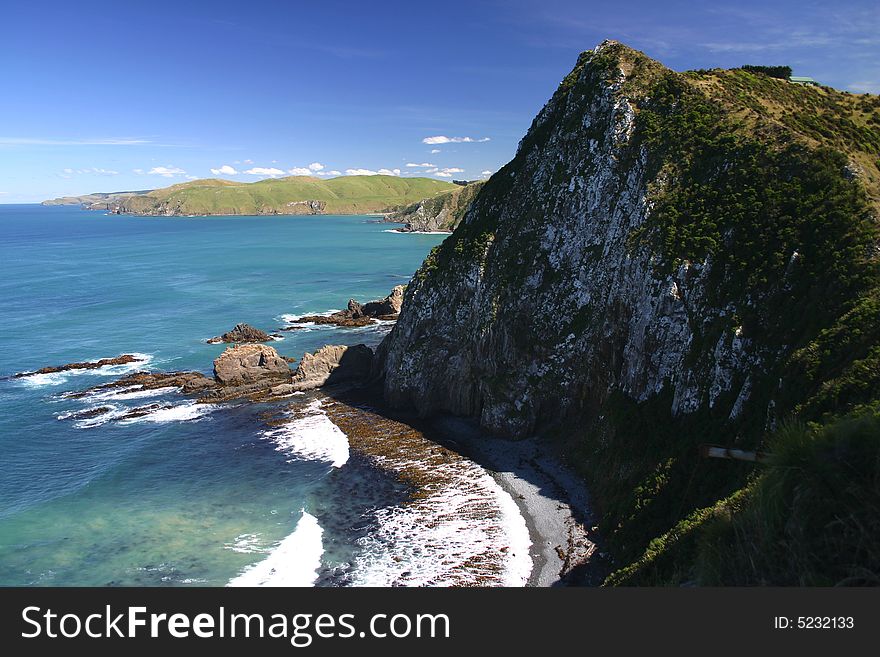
x,y
194,494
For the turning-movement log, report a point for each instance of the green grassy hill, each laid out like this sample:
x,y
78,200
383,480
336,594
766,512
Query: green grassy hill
x,y
293,195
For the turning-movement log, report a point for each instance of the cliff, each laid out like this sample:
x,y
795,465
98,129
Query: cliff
x,y
670,259
294,195
437,213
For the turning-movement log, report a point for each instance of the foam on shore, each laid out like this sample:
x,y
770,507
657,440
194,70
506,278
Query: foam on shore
x,y
447,537
459,527
295,561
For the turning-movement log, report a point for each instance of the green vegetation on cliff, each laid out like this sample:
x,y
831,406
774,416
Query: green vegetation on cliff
x,y
292,195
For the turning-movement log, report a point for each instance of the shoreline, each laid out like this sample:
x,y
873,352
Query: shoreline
x,y
553,500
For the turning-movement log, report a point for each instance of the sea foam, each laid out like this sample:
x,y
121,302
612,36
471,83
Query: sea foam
x,y
465,531
295,561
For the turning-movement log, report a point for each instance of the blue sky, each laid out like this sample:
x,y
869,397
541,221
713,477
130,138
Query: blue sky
x,y
105,96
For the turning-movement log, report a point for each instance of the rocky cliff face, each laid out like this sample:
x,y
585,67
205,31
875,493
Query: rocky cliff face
x,y
639,280
438,213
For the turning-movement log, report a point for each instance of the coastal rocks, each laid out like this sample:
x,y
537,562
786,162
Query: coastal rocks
x,y
124,359
243,333
329,365
358,314
390,305
350,317
249,363
303,207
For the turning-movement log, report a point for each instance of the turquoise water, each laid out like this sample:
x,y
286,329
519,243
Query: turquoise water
x,y
187,495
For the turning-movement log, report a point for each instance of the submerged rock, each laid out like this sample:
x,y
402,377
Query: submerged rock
x,y
248,363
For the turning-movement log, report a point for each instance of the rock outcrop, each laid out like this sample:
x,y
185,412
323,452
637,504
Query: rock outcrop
x,y
249,363
329,365
388,306
358,314
243,333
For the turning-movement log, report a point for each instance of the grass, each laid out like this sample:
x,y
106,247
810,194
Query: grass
x,y
813,518
341,195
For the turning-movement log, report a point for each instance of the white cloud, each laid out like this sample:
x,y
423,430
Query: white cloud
x,y
486,173
361,172
316,166
300,171
435,150
191,177
248,161
334,172
165,172
442,139
264,171
225,170
4,193
389,172
423,164
447,173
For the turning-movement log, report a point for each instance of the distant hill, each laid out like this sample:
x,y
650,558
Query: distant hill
x,y
293,195
97,197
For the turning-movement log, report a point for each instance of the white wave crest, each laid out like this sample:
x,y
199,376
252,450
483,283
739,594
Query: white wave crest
x,y
295,561
312,436
131,392
186,412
